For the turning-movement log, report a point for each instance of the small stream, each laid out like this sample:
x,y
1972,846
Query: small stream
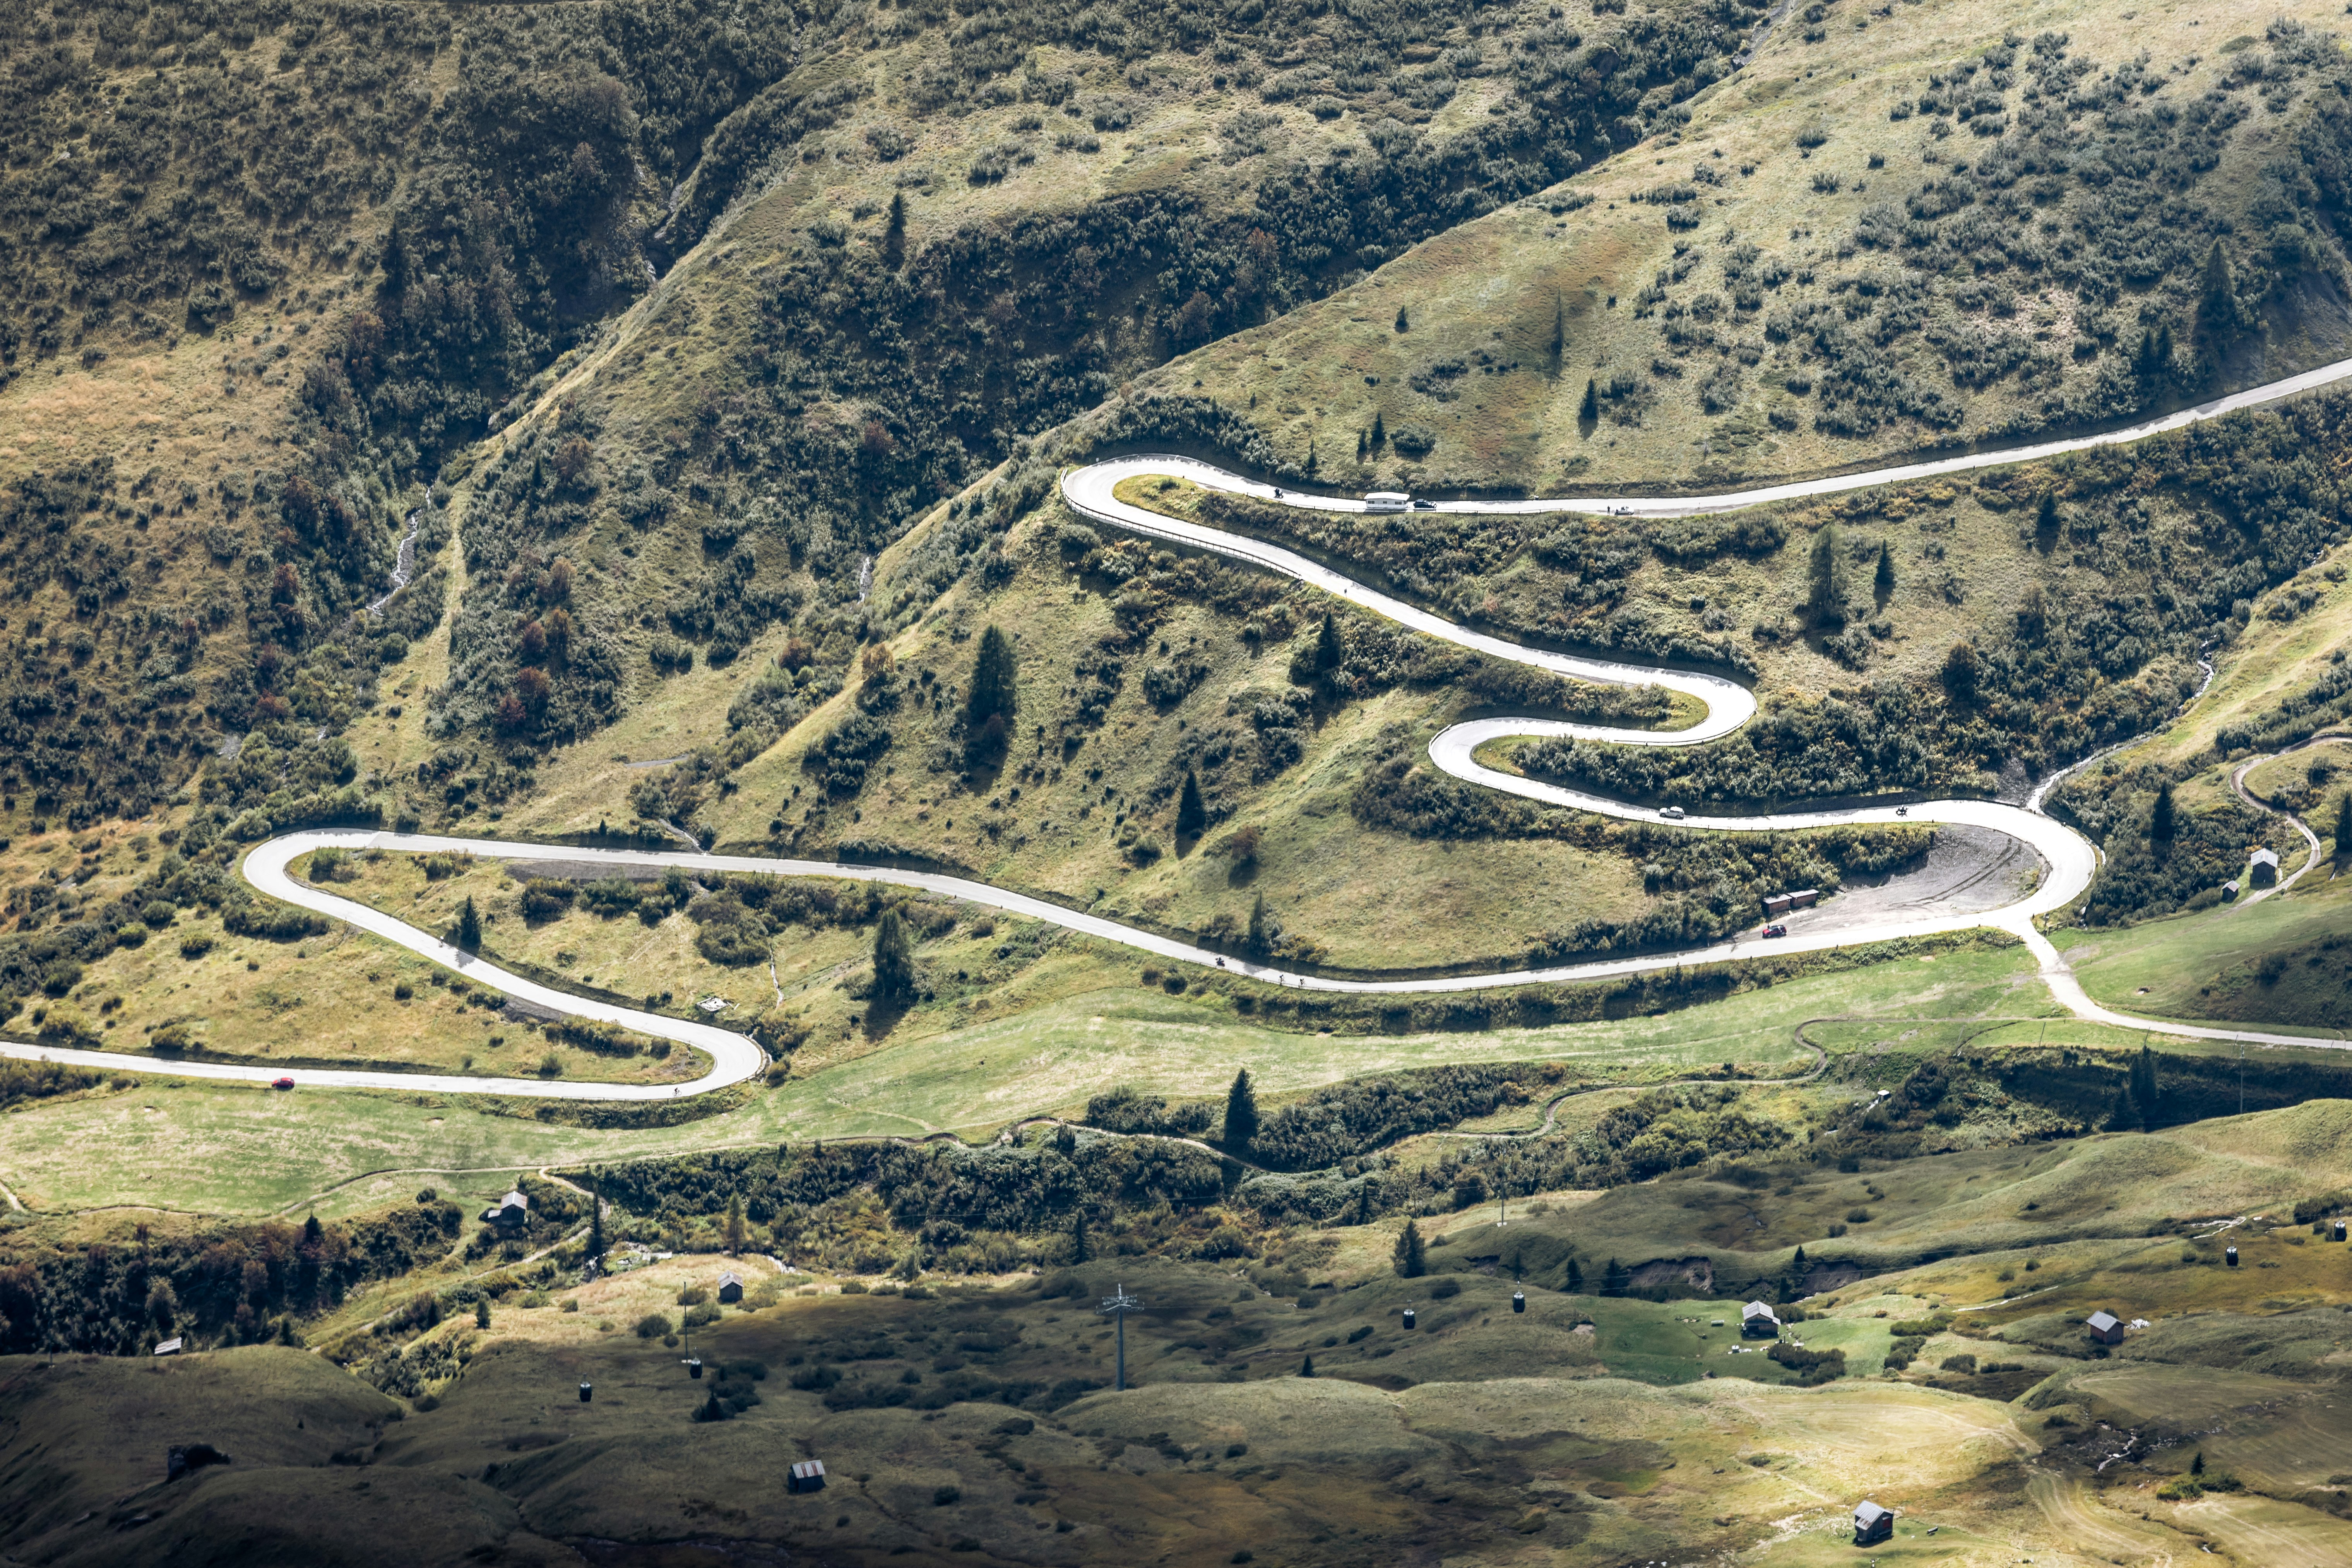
x,y
404,566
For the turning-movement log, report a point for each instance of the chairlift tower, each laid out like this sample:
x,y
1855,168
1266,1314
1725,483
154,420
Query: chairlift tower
x,y
1116,1306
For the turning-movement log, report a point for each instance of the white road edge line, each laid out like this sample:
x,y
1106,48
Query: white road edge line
x,y
2071,859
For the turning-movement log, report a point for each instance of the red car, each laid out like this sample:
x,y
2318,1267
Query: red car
x,y
1776,930
281,1083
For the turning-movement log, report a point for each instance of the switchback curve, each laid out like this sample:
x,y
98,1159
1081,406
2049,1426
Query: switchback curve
x,y
2070,858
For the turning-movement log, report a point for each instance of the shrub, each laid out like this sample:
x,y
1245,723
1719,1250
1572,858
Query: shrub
x,y
545,899
273,922
653,1326
1128,1111
1812,1367
611,895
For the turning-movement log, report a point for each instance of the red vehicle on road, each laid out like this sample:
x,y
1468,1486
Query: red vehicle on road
x,y
281,1083
1776,930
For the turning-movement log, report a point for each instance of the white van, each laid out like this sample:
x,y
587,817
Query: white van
x,y
1387,500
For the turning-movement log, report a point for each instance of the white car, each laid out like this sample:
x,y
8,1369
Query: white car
x,y
1673,814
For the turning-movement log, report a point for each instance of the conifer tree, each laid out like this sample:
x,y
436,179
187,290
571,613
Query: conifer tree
x,y
993,677
1614,1279
595,1226
2162,822
1258,940
1412,1255
1307,1368
1241,1113
1589,411
2144,1089
894,958
2343,824
1080,1250
470,925
1883,581
736,1232
1574,1284
1380,431
1827,575
1191,816
894,233
1404,323
1330,651
2217,302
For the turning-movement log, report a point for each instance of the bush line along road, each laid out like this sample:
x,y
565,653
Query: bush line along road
x,y
2069,860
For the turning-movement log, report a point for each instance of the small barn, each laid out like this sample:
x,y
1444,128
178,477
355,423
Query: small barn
x,y
511,1210
1758,1321
171,1346
1777,904
1872,1524
731,1288
2262,869
808,1476
1804,898
2106,1328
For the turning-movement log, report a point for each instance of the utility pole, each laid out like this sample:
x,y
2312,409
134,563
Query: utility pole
x,y
1116,1306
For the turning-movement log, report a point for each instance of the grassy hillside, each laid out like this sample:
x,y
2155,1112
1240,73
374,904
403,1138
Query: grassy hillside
x,y
972,1419
1901,229
727,365
971,1063
672,425
388,234
2274,960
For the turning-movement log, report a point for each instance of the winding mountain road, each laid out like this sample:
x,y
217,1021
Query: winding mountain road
x,y
2310,839
2069,860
